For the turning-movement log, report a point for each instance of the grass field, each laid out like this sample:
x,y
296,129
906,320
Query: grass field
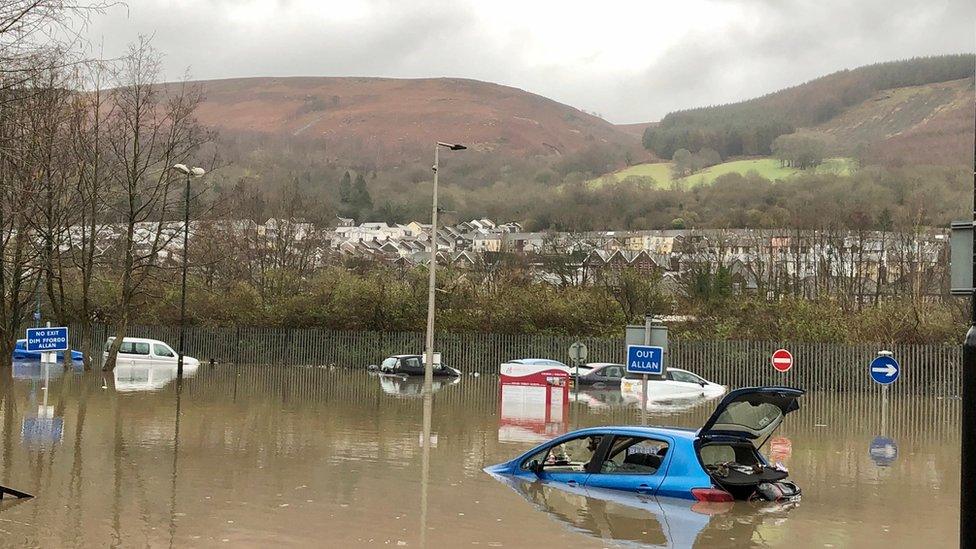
x,y
769,168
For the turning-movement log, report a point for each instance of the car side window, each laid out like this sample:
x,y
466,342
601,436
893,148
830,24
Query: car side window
x,y
569,456
684,377
162,350
612,371
389,363
634,455
412,362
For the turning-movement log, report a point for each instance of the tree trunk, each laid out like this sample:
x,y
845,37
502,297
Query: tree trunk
x,y
113,350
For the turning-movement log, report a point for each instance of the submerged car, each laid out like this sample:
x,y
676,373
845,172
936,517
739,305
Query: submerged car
x,y
22,354
675,383
719,462
413,365
600,374
137,351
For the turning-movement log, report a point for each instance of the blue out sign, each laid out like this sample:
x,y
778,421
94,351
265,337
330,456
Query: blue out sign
x,y
47,339
645,359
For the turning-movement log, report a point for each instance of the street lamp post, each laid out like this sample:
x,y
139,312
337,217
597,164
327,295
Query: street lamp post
x,y
190,173
432,283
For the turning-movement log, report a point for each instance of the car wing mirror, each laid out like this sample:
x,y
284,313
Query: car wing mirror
x,y
535,466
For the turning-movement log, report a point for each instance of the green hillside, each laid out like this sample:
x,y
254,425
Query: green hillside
x,y
860,107
770,168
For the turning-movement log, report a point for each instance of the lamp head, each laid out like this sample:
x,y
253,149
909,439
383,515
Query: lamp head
x,y
452,146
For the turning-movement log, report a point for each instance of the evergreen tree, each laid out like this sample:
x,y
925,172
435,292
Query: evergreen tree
x,y
345,188
361,199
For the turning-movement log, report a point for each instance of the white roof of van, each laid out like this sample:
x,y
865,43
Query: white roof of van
x,y
138,340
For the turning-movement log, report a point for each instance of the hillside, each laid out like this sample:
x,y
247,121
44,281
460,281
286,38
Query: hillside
x,y
879,111
769,168
388,122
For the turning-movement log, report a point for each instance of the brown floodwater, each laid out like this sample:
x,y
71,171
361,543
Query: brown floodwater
x,y
277,456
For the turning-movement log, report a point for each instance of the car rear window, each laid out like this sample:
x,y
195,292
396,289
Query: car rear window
x,y
755,417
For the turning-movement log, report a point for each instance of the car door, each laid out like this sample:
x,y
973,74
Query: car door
x,y
411,366
684,384
133,353
633,464
751,413
162,355
568,461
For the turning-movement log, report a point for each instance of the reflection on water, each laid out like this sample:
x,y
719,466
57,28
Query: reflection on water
x,y
412,386
148,377
261,456
653,521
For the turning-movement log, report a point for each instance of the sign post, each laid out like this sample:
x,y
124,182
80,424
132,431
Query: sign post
x,y
655,334
47,341
885,370
577,353
782,360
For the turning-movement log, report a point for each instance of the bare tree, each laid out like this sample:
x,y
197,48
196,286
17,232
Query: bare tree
x,y
147,133
86,239
19,183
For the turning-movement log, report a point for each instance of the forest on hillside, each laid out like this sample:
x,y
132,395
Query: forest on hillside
x,y
918,176
750,127
559,197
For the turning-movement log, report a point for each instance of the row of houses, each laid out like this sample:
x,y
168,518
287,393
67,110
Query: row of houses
x,y
758,259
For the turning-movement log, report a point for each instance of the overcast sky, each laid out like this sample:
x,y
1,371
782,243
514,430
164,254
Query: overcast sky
x,y
629,61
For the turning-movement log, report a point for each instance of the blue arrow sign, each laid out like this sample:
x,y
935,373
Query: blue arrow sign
x,y
883,451
885,370
645,359
47,339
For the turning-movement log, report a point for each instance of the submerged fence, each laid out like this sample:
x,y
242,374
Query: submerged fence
x,y
925,369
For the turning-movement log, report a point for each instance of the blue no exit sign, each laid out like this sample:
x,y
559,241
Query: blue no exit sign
x,y
645,359
47,339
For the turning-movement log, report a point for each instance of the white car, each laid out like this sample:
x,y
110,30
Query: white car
x,y
528,369
136,351
674,384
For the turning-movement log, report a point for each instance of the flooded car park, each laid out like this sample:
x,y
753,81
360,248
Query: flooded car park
x,y
293,456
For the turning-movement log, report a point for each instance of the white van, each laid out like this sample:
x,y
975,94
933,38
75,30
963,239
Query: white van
x,y
148,352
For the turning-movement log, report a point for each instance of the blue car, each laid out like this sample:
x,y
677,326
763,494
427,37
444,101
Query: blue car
x,y
719,462
22,354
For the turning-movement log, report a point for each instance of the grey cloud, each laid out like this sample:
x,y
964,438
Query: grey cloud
x,y
786,42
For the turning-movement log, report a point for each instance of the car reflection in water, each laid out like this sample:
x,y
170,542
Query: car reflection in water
x,y
402,386
34,370
648,520
131,378
670,406
600,399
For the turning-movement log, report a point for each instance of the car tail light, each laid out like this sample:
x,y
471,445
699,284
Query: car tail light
x,y
714,495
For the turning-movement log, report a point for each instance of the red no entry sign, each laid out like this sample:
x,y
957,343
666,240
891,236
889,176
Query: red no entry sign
x,y
782,360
